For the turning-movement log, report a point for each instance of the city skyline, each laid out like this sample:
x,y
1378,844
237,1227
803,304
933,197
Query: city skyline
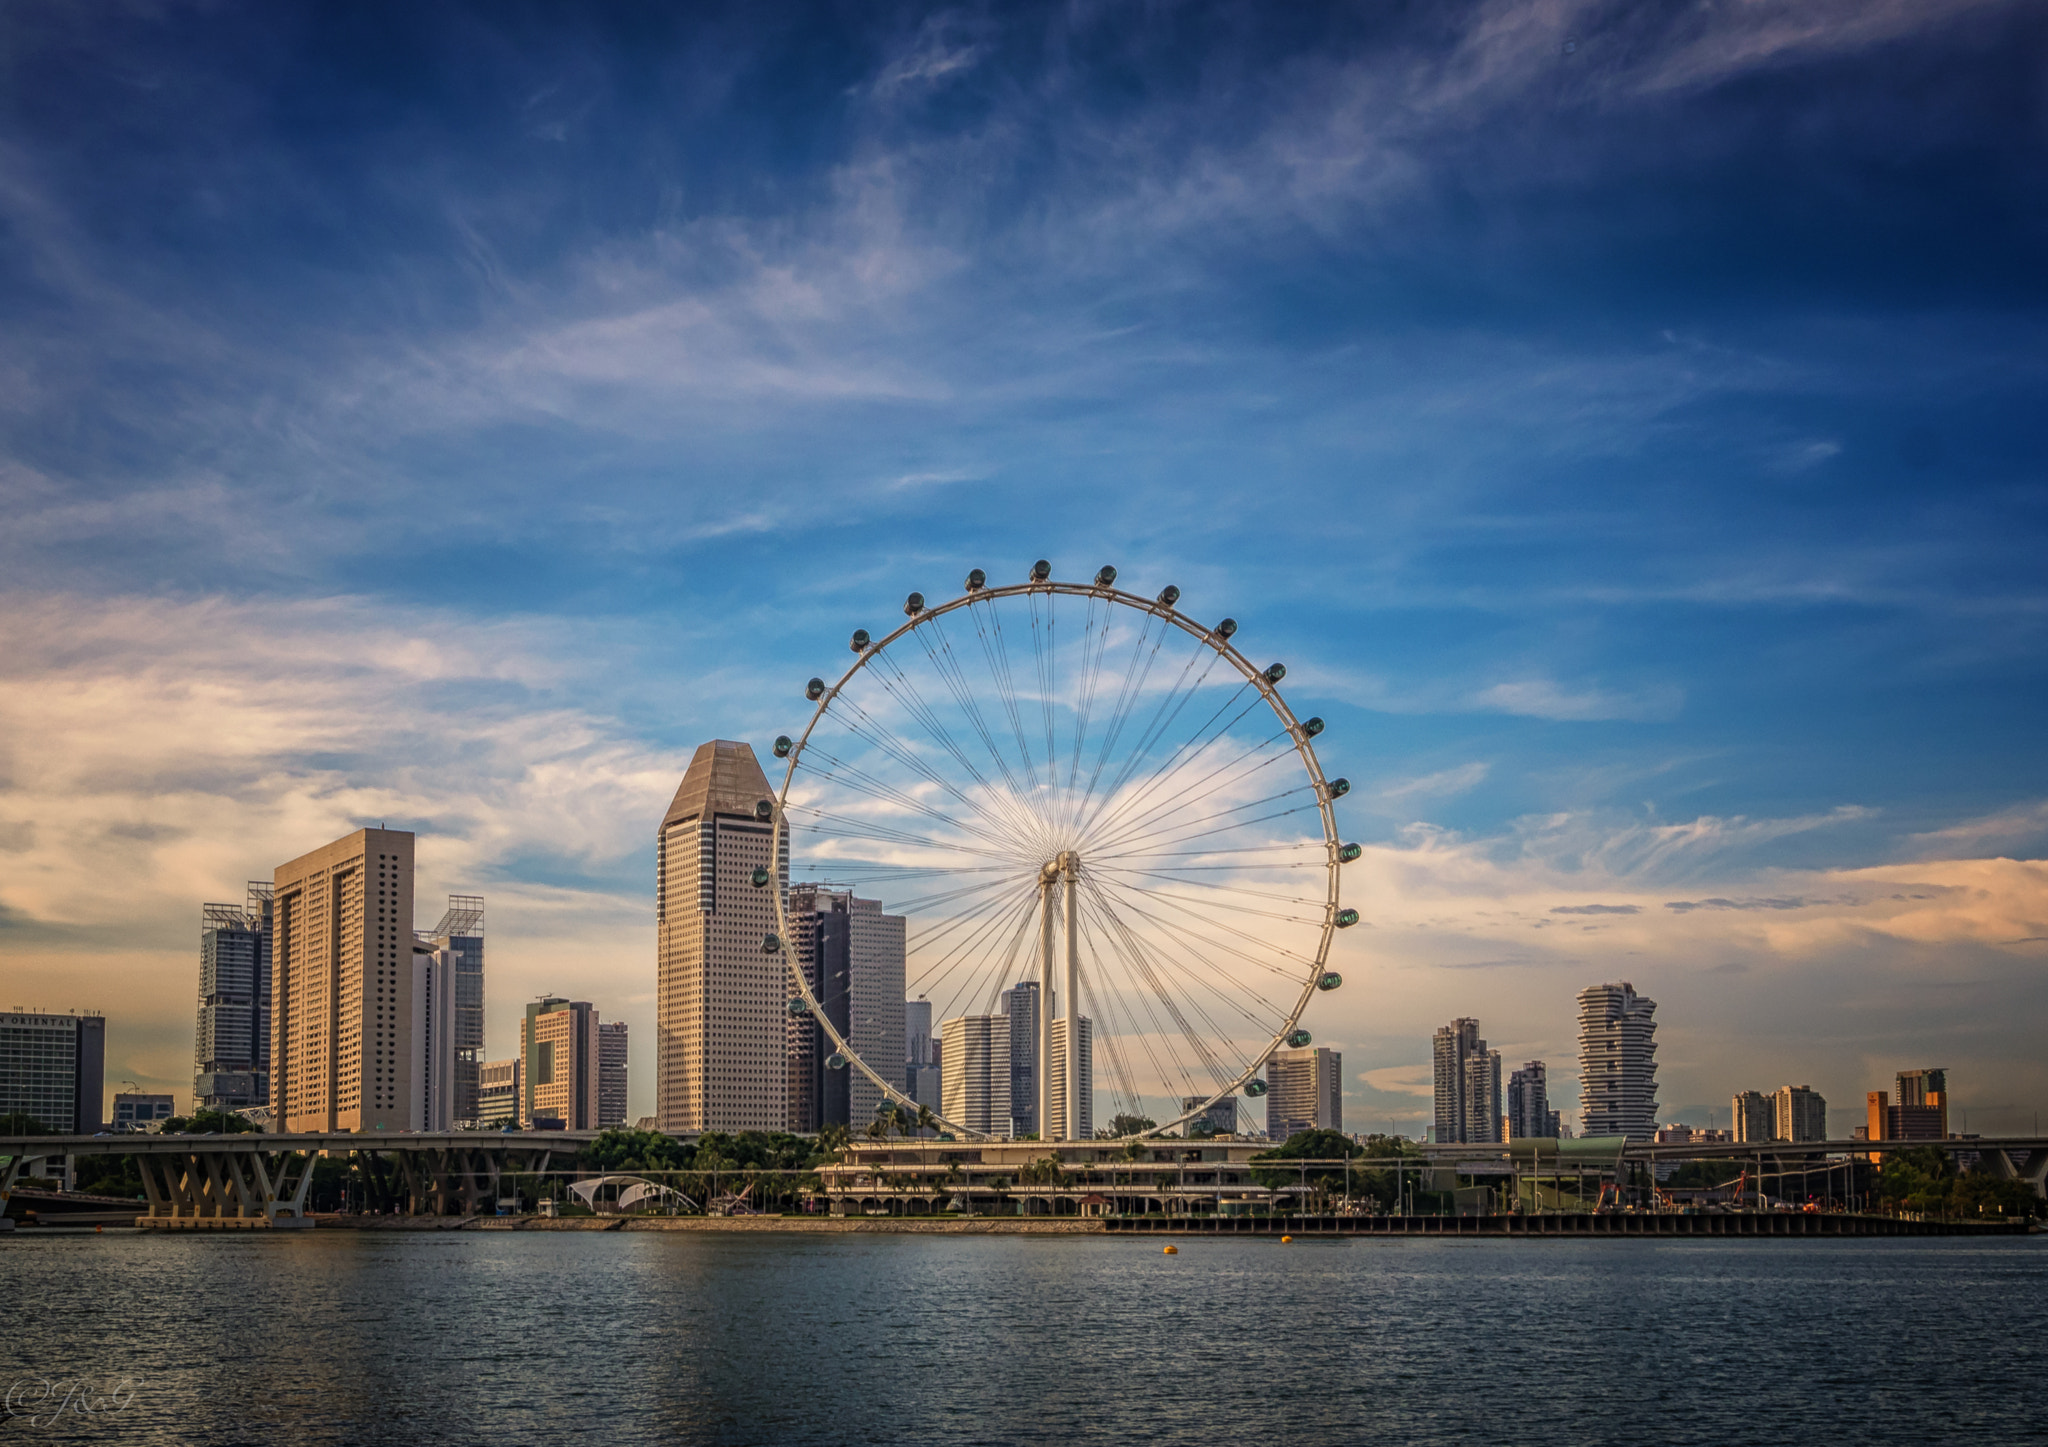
x,y
1660,542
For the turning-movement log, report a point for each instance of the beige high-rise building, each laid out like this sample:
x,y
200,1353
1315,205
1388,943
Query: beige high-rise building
x,y
1304,1091
974,1072
720,998
1056,1108
559,1064
341,996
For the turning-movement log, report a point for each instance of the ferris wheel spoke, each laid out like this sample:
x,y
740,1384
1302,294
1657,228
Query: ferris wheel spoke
x,y
1147,998
867,728
1084,705
947,665
1044,646
1169,710
1133,688
1139,830
1303,808
1219,888
1191,749
841,827
1224,777
949,896
968,960
1221,980
1139,957
907,693
996,649
1176,916
862,782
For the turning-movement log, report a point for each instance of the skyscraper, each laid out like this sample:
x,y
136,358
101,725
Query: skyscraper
x,y
1752,1117
53,1069
461,932
1020,1007
721,994
1924,1090
1799,1114
341,986
431,1052
852,956
1304,1091
1084,1128
611,1074
231,1054
558,1059
1528,1103
1617,1062
917,1035
1467,1089
974,1065
1219,1119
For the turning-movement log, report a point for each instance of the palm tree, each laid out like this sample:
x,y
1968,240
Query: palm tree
x,y
926,1120
878,1128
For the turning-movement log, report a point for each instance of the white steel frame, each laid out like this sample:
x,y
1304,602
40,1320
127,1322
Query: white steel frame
x,y
1062,871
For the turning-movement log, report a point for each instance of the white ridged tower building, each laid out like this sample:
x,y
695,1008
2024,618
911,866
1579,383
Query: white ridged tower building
x,y
1617,1062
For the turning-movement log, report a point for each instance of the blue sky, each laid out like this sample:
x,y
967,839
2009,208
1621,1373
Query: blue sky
x,y
1626,420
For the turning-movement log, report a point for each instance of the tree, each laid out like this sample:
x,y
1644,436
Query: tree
x,y
833,1141
20,1122
1125,1125
208,1122
926,1120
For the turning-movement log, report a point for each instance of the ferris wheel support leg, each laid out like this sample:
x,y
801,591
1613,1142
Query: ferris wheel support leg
x,y
1041,1075
1070,1000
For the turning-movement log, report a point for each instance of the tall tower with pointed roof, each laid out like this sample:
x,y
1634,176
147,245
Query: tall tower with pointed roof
x,y
719,1000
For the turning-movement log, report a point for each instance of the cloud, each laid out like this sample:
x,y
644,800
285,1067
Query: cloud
x,y
1681,906
1443,784
1416,1080
1596,909
1542,698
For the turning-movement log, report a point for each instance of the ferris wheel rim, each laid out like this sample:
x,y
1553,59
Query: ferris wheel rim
x,y
1221,643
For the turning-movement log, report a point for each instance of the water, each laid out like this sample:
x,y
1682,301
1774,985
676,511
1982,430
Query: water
x,y
353,1337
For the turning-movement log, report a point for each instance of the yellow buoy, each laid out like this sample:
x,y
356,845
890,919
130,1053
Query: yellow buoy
x,y
1173,1251
1286,1240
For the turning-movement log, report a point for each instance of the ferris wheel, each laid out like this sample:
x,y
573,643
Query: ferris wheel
x,y
1081,788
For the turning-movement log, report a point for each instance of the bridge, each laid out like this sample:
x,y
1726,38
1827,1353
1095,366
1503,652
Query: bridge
x,y
217,1182
2023,1158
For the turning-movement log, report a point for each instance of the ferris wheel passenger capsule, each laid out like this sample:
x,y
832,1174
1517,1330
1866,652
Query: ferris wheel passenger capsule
x,y
815,689
976,580
764,810
1255,1088
760,876
1040,571
837,1061
1330,981
1277,672
860,640
1346,918
771,945
1298,1038
1105,578
798,1005
1168,596
1312,727
913,605
783,744
1348,853
1227,627
1339,788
